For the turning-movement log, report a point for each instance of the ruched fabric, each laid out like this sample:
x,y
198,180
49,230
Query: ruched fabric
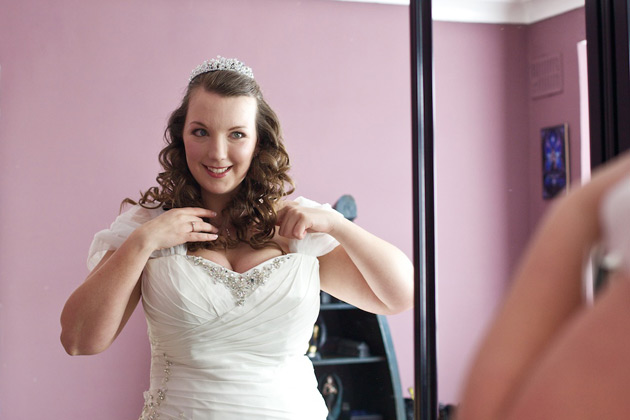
x,y
213,358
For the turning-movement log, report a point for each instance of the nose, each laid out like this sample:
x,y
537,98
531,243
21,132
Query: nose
x,y
217,148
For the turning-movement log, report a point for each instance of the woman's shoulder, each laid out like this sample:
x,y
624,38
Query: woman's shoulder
x,y
128,220
314,244
141,214
306,202
125,223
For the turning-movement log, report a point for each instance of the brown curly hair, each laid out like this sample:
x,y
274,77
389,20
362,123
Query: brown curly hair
x,y
251,212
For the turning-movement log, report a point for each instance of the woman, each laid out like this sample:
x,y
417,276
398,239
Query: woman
x,y
229,272
548,355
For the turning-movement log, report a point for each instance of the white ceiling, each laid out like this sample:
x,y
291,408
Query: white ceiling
x,y
493,11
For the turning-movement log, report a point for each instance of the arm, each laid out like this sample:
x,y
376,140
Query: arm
x,y
364,271
98,310
545,295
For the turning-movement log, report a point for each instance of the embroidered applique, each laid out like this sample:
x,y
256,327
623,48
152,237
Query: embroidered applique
x,y
154,399
240,285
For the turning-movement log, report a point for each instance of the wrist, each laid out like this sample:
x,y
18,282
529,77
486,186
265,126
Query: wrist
x,y
339,225
141,242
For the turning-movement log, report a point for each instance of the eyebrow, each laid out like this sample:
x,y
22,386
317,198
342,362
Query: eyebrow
x,y
236,127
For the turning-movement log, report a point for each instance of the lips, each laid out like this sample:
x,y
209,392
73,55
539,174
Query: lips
x,y
216,172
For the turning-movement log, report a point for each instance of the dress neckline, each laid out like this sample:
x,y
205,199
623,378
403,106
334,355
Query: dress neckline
x,y
240,285
201,260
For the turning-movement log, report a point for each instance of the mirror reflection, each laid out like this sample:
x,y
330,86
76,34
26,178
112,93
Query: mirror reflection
x,y
85,93
489,112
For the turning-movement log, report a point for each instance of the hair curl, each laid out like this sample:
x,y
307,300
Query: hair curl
x,y
251,212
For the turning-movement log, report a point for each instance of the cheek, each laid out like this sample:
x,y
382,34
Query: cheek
x,y
194,152
246,154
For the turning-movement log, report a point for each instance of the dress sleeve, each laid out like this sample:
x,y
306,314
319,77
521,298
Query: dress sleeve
x,y
314,244
111,239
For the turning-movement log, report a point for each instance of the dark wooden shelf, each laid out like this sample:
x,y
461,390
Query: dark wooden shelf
x,y
347,360
369,383
335,306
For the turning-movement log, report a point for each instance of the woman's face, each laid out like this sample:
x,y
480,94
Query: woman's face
x,y
220,140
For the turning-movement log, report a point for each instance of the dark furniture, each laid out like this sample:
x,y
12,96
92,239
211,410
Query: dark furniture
x,y
369,382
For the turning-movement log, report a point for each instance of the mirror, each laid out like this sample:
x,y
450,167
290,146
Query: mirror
x,y
485,92
85,90
488,161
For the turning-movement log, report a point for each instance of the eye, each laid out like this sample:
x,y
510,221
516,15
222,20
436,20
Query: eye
x,y
199,132
237,135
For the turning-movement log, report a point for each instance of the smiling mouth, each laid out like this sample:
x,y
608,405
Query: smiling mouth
x,y
217,171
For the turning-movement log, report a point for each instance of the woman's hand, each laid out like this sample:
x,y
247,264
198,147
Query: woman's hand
x,y
364,270
98,310
296,221
177,226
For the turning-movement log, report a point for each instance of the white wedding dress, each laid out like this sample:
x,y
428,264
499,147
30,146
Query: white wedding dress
x,y
226,345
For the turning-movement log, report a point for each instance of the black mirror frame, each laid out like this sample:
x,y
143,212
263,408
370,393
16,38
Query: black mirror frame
x,y
607,34
426,400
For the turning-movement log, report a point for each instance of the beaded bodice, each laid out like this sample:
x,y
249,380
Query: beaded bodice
x,y
212,326
240,285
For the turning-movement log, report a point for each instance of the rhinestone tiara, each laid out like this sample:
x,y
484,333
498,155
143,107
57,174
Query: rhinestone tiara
x,y
221,63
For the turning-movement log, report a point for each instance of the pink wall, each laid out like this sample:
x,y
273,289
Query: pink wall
x,y
481,181
85,89
566,31
84,93
488,167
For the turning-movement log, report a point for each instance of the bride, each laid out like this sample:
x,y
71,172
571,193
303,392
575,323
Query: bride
x,y
228,270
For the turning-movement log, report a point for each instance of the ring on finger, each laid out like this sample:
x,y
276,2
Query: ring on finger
x,y
193,226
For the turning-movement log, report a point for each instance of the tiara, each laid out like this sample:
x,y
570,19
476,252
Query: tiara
x,y
221,63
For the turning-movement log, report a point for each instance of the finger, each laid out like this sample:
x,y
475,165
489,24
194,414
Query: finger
x,y
193,211
298,223
201,226
292,226
282,204
280,216
202,237
299,229
285,224
282,207
199,212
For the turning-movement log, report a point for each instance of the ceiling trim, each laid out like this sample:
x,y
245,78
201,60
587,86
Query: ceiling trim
x,y
543,9
493,11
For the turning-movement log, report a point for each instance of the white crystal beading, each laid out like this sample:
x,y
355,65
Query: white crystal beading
x,y
240,285
154,399
222,63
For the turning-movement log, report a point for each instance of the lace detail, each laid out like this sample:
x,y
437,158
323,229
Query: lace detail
x,y
240,285
154,399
